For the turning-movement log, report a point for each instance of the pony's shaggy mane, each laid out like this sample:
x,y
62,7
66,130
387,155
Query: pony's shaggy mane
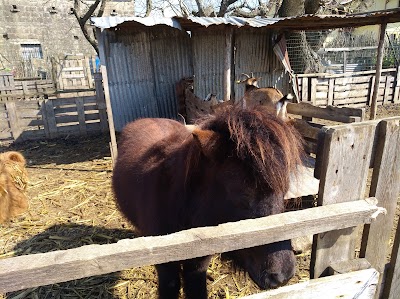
x,y
270,147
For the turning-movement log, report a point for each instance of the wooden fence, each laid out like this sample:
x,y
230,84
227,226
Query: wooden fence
x,y
344,157
349,89
42,115
74,72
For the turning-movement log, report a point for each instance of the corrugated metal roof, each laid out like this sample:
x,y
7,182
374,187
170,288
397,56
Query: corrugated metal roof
x,y
305,22
114,21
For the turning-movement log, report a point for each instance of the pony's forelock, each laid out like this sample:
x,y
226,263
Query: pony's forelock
x,y
270,147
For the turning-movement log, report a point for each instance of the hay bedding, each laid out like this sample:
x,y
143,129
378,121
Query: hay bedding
x,y
71,205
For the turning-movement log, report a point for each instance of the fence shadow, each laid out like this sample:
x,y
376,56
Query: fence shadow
x,y
67,150
67,236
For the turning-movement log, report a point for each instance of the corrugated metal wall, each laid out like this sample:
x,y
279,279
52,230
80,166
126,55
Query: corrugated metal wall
x,y
208,61
143,67
254,53
145,64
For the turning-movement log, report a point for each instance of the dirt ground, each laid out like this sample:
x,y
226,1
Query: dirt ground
x,y
71,205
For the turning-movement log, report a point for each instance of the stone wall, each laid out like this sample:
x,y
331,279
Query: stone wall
x,y
49,24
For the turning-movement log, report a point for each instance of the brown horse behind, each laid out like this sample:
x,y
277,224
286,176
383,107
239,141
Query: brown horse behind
x,y
235,165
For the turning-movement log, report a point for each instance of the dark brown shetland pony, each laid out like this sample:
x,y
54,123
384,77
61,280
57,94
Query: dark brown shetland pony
x,y
234,166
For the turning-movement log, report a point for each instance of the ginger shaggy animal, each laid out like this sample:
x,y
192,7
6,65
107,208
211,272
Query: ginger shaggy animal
x,y
13,184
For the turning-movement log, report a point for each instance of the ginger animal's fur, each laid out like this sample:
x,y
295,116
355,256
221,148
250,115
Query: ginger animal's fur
x,y
13,184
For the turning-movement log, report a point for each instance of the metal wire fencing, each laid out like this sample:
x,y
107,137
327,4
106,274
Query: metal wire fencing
x,y
341,50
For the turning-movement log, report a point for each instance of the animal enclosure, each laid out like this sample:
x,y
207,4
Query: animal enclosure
x,y
158,253
349,89
35,111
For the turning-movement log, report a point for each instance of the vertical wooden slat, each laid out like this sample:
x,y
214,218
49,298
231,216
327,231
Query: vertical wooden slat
x,y
371,90
379,61
88,72
385,186
313,95
80,108
50,119
392,282
304,89
346,156
330,91
13,119
104,52
387,90
396,87
101,102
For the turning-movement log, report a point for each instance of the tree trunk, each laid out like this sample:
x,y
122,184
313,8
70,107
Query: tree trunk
x,y
303,58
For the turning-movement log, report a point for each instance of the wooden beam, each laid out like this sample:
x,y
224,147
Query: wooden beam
x,y
103,40
343,169
392,282
359,284
349,266
343,114
385,186
47,268
379,61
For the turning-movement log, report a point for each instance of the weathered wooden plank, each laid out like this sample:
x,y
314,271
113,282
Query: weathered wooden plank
x,y
345,114
379,61
13,119
47,268
101,102
349,266
346,156
321,95
351,94
313,91
392,281
331,91
81,116
388,86
49,119
396,87
304,89
385,186
359,284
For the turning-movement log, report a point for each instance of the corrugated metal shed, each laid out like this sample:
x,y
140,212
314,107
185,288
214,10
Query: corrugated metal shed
x,y
145,57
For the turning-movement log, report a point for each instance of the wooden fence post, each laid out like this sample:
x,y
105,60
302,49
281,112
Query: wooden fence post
x,y
101,101
80,108
304,89
345,157
392,282
396,87
331,89
385,186
313,92
13,119
379,61
50,123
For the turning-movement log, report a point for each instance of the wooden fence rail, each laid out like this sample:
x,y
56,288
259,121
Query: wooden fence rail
x,y
349,89
45,268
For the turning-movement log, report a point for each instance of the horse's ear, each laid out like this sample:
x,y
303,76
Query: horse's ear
x,y
209,142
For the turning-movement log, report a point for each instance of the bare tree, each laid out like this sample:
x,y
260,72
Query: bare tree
x,y
82,12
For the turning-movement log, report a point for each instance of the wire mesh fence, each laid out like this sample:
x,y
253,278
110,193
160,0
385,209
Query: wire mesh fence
x,y
341,50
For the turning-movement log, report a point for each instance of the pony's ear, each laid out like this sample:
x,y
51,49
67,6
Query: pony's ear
x,y
209,142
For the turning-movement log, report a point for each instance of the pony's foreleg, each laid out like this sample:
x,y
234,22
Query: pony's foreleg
x,y
194,277
169,282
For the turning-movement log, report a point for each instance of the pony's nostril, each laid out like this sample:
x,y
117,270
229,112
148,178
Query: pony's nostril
x,y
276,280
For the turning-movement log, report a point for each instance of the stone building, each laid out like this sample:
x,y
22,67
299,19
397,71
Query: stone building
x,y
33,32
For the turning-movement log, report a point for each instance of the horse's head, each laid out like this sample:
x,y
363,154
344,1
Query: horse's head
x,y
248,156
